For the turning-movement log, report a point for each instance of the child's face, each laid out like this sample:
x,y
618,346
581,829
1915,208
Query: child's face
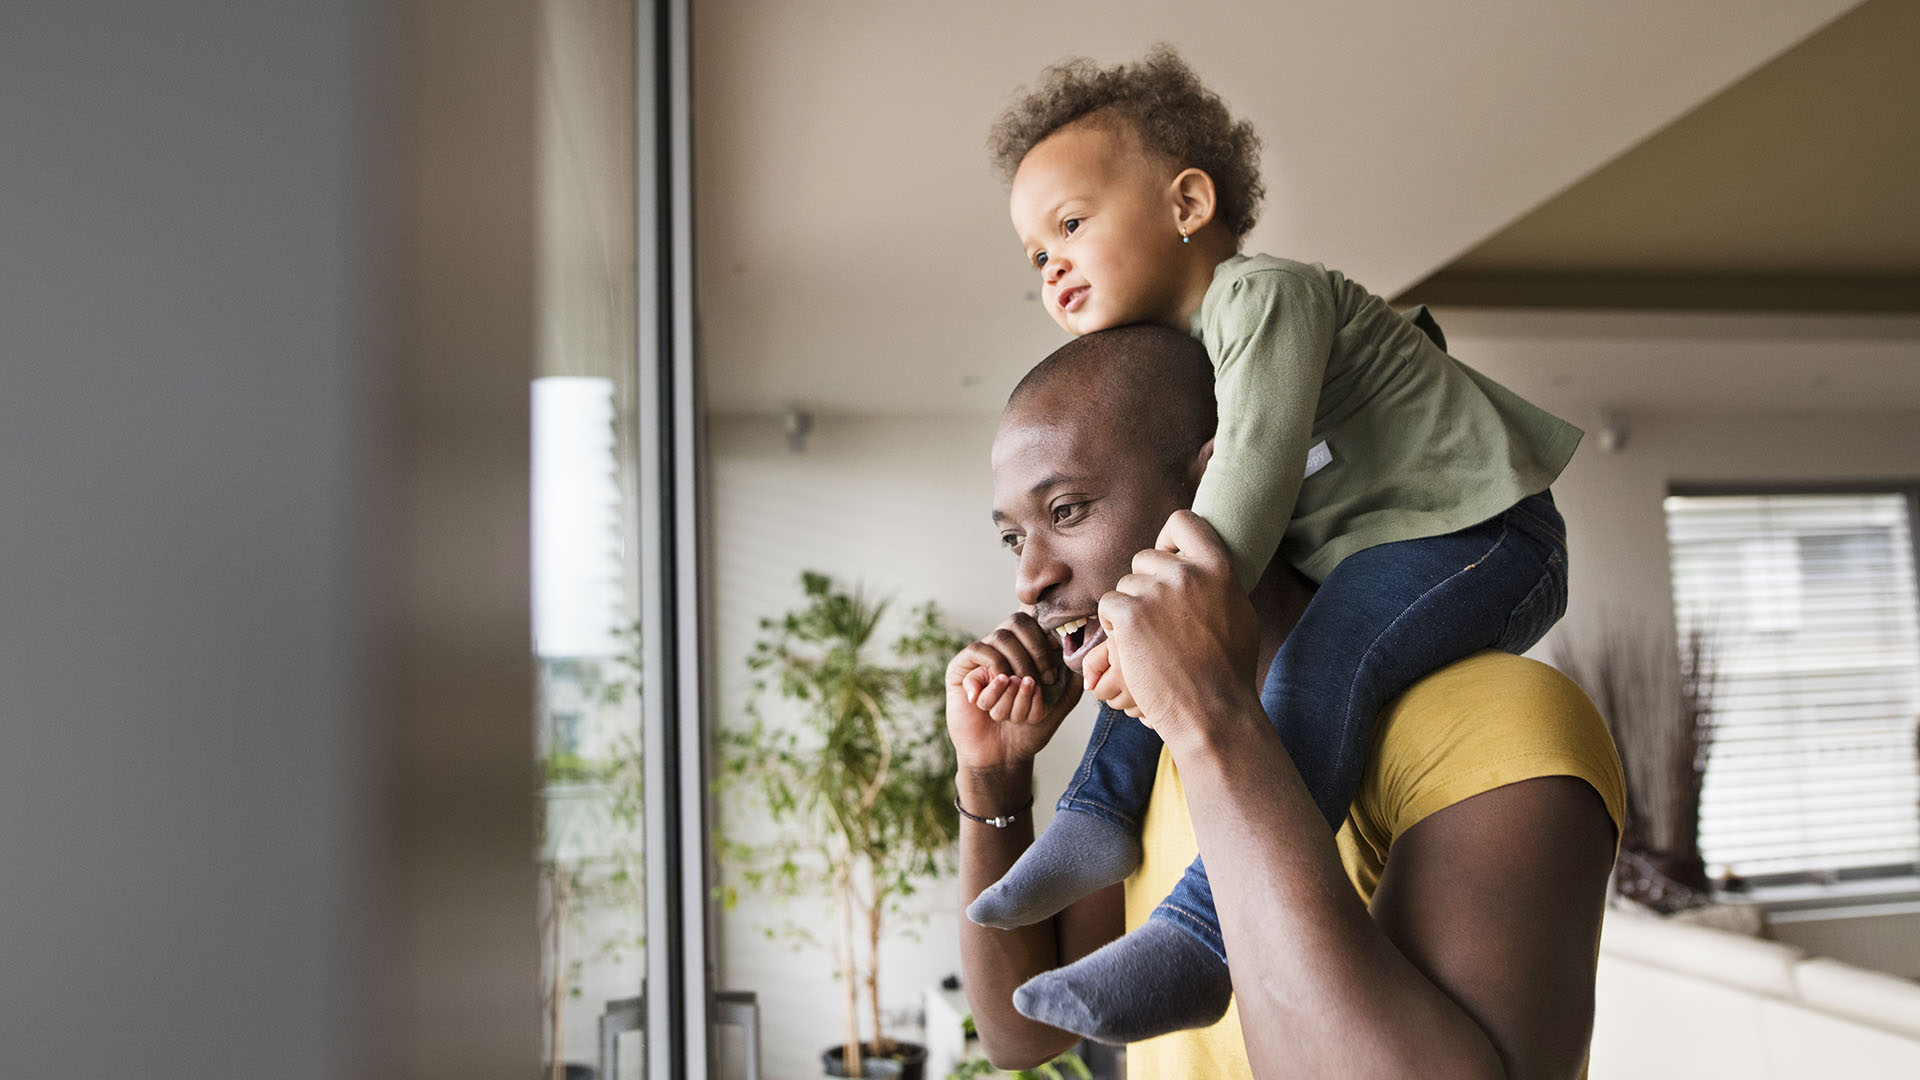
x,y
1098,222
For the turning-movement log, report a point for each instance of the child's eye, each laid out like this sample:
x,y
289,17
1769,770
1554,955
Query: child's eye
x,y
1070,226
1040,260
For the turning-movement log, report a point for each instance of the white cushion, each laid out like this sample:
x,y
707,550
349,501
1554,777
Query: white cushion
x,y
1763,967
1886,1001
1801,1042
1650,1023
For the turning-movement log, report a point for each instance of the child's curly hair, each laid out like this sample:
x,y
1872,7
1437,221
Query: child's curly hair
x,y
1178,119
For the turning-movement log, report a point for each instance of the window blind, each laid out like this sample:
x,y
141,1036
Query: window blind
x,y
1810,604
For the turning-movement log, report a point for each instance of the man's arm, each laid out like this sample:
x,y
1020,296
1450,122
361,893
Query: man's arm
x,y
995,962
998,721
1480,963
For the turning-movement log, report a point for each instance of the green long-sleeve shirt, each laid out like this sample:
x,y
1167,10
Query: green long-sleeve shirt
x,y
1405,441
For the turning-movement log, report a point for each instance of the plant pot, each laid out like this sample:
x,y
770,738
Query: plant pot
x,y
908,1061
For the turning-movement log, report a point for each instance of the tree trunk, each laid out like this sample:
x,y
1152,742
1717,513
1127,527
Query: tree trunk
x,y
562,904
849,973
874,915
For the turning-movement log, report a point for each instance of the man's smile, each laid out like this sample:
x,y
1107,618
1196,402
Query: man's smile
x,y
1077,637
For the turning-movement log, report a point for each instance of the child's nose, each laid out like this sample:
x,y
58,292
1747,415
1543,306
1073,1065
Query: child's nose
x,y
1056,269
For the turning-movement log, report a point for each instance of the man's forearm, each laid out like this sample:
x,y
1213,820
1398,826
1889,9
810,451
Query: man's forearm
x,y
1320,988
995,962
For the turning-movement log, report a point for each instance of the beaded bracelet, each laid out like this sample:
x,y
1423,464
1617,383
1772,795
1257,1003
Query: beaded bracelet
x,y
1000,822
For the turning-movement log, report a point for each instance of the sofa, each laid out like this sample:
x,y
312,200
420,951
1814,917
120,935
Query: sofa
x,y
1678,999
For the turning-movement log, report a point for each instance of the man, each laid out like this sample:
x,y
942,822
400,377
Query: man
x,y
1451,929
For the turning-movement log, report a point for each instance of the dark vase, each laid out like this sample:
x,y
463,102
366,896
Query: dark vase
x,y
909,1059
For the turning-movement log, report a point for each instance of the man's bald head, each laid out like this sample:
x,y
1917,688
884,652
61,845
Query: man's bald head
x,y
1152,383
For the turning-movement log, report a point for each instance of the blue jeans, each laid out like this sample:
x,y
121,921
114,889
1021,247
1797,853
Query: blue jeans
x,y
1385,617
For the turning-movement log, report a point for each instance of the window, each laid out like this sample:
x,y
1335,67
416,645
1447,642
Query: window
x,y
621,808
1809,603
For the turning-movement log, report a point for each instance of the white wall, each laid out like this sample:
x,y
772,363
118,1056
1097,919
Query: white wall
x,y
1612,502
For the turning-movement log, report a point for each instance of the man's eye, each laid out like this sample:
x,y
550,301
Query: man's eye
x,y
1039,260
1070,226
1066,512
1011,541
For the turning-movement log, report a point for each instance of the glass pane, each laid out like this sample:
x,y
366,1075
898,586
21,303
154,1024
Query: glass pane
x,y
586,594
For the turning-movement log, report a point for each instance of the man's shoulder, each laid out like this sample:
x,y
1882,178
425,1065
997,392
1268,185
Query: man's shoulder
x,y
1489,720
1498,681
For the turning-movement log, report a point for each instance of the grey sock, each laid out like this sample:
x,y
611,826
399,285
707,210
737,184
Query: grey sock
x,y
1078,853
1157,979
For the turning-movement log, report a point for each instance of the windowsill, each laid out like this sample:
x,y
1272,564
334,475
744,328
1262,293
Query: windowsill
x,y
1810,901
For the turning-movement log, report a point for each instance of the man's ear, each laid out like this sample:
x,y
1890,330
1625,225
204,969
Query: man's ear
x,y
1197,467
1194,200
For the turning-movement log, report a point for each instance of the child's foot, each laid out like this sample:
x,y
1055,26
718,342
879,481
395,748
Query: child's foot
x,y
1077,854
1155,980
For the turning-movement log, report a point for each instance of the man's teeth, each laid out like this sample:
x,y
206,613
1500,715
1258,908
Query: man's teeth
x,y
1066,628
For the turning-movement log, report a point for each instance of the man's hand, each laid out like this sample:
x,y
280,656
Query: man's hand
x,y
997,714
1180,629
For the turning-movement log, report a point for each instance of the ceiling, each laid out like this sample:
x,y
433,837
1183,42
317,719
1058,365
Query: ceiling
x,y
854,254
1798,185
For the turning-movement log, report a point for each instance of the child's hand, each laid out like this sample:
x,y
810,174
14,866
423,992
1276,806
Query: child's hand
x,y
998,707
1101,670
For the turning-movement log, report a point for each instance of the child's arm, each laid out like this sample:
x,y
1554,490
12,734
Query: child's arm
x,y
1269,341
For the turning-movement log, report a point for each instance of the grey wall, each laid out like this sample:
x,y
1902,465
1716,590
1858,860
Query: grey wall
x,y
188,301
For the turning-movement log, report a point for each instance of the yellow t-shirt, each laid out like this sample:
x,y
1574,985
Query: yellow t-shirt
x,y
1484,722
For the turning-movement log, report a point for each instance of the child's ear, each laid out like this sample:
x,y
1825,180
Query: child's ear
x,y
1194,200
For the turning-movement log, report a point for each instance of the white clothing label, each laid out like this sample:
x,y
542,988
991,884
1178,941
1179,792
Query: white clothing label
x,y
1318,458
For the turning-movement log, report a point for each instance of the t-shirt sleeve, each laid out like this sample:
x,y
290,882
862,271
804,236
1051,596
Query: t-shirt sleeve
x,y
1269,338
1480,723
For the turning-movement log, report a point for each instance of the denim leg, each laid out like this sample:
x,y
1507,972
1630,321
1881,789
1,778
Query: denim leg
x,y
1115,777
1382,619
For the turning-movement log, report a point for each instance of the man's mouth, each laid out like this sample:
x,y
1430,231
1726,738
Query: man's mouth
x,y
1077,637
1070,299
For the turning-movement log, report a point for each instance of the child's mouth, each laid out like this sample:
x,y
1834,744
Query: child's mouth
x,y
1070,299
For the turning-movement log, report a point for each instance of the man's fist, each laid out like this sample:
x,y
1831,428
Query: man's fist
x,y
1179,628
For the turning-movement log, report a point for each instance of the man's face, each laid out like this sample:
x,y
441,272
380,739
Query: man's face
x,y
1096,218
1074,498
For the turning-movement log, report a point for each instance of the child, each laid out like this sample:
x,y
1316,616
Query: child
x,y
1411,488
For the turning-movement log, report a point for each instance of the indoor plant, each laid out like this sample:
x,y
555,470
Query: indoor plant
x,y
1066,1064
859,791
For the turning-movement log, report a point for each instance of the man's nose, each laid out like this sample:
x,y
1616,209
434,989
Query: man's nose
x,y
1038,571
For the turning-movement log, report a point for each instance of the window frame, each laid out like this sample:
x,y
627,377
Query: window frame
x,y
679,1001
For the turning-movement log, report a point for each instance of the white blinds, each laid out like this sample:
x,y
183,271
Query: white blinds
x,y
1811,602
